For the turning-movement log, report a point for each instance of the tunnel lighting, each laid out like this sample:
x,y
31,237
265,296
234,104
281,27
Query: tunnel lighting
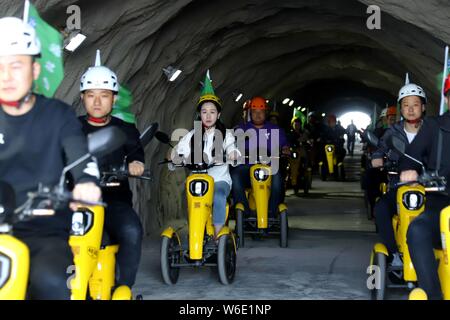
x,y
267,101
74,41
239,97
303,109
291,103
286,100
323,114
172,73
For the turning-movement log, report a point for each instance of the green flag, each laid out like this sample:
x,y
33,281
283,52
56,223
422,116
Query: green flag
x,y
299,115
121,108
441,81
51,61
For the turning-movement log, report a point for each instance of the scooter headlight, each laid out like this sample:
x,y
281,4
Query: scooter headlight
x,y
81,222
413,200
330,149
5,269
261,175
198,188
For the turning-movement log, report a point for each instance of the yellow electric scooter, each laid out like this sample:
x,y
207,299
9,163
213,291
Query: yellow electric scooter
x,y
331,166
300,173
410,204
201,249
94,253
258,197
14,254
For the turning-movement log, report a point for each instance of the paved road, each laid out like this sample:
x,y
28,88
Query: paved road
x,y
330,241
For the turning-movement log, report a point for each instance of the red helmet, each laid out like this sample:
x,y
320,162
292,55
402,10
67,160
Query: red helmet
x,y
391,111
258,103
447,85
331,117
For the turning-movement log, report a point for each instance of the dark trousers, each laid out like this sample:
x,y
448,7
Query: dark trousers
x,y
50,259
350,145
123,226
422,237
240,176
384,211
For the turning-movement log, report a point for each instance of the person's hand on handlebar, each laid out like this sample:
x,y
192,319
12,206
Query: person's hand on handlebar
x,y
136,168
87,191
409,175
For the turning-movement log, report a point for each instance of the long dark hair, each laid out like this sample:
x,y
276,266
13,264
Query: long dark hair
x,y
219,125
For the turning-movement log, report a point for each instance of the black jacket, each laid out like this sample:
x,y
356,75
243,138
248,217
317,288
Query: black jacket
x,y
34,148
425,147
397,130
132,148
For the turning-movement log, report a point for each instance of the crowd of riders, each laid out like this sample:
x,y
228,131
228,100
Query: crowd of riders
x,y
39,136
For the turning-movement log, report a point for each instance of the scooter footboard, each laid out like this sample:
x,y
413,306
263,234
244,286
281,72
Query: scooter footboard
x,y
444,266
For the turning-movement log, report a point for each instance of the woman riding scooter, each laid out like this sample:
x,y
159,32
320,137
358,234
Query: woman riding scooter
x,y
412,100
212,131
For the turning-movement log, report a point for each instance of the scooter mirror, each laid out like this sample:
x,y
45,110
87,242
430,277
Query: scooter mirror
x,y
371,138
148,134
162,137
105,141
396,144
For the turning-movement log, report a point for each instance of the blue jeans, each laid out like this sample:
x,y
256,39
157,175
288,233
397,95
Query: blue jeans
x,y
221,192
241,181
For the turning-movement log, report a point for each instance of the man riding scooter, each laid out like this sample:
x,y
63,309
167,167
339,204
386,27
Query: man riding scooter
x,y
99,87
298,140
374,177
261,134
412,101
39,136
432,147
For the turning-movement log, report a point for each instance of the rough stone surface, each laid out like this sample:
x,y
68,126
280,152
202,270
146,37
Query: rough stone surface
x,y
266,47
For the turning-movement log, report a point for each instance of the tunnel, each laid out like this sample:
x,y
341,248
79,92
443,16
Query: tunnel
x,y
319,53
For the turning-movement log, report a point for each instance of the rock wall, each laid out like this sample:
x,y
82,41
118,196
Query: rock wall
x,y
268,47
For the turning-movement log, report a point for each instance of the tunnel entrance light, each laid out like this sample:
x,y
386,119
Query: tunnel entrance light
x,y
286,100
172,73
291,103
73,40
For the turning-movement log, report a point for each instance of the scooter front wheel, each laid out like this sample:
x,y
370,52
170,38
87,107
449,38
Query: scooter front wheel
x,y
284,228
379,287
226,259
169,255
240,227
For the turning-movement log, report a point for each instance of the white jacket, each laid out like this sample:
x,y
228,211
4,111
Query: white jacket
x,y
219,172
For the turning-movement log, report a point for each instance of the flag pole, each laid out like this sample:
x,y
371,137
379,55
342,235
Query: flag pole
x,y
444,75
26,10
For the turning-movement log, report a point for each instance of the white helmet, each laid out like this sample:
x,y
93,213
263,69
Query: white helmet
x,y
99,77
383,113
411,89
18,38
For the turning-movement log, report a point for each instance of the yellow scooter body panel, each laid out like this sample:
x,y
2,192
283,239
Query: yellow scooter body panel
x,y
444,266
295,167
199,212
330,155
18,255
102,280
405,217
85,249
261,193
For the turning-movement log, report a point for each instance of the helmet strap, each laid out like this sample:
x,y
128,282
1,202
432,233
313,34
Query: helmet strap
x,y
99,120
18,104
